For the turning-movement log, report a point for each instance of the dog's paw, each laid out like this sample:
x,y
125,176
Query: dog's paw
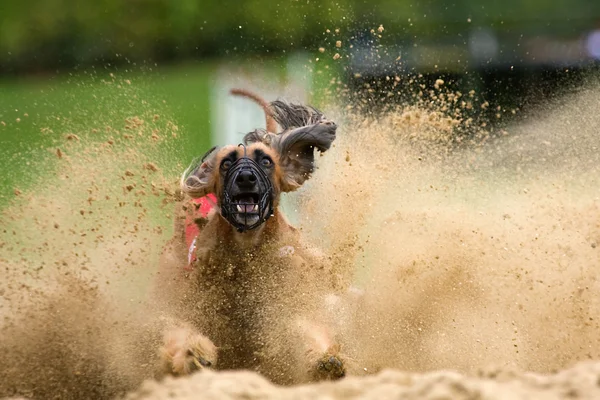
x,y
185,352
197,359
330,367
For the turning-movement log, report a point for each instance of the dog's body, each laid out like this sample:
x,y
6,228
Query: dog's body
x,y
251,299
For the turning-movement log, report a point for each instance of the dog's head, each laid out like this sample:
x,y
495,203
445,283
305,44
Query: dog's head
x,y
248,179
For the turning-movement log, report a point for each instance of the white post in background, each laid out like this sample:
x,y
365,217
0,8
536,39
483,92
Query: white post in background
x,y
233,116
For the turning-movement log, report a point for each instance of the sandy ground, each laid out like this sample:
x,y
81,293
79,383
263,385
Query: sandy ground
x,y
579,382
470,257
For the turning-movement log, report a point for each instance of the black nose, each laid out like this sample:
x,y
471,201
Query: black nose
x,y
246,179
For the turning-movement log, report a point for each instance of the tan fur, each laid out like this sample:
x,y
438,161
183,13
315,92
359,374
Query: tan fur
x,y
177,342
247,294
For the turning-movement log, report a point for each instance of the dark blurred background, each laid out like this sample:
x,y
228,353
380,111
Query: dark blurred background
x,y
41,35
523,47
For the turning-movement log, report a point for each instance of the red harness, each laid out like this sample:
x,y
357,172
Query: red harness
x,y
203,206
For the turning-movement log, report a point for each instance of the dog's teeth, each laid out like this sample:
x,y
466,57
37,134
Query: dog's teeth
x,y
239,208
255,208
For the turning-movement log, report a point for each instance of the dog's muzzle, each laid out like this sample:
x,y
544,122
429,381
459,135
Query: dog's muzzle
x,y
246,210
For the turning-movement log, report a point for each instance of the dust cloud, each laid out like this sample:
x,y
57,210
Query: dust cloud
x,y
468,254
79,244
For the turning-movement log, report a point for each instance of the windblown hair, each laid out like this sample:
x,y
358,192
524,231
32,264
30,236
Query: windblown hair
x,y
196,177
290,115
304,129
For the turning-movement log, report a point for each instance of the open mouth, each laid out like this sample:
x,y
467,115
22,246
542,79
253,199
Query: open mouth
x,y
246,203
246,207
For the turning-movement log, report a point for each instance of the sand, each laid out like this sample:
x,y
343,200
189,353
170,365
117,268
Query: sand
x,y
579,382
478,257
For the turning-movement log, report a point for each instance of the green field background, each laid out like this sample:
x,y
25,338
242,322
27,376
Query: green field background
x,y
80,102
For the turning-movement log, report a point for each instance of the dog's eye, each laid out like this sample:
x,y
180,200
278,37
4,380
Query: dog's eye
x,y
226,164
266,162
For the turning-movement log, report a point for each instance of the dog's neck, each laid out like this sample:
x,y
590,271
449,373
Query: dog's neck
x,y
250,238
259,235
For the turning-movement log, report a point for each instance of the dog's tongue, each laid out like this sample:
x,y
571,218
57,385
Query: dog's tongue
x,y
246,208
246,205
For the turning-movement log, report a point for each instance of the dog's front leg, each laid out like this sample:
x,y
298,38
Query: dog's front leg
x,y
185,351
321,354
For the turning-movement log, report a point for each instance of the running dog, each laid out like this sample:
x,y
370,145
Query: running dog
x,y
251,296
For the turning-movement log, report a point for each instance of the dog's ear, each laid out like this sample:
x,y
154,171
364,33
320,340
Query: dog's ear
x,y
296,150
304,129
197,180
290,116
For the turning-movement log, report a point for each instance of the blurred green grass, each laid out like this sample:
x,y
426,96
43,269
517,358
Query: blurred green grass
x,y
37,113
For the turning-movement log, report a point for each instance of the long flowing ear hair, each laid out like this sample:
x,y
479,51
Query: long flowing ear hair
x,y
304,130
289,115
196,180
